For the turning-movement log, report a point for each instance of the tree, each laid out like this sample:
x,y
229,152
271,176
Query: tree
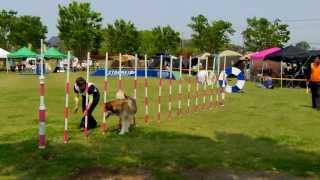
x,y
304,45
80,27
166,39
7,20
27,30
121,37
210,37
262,34
147,43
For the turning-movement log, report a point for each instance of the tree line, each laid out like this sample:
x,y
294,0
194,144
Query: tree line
x,y
81,29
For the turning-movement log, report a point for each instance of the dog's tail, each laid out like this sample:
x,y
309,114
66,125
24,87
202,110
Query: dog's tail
x,y
120,95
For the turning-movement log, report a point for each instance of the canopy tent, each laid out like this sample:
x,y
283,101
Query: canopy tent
x,y
261,55
53,53
204,56
290,54
228,53
3,53
314,53
23,53
229,59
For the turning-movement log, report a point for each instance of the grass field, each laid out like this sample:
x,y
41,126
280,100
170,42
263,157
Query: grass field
x,y
260,130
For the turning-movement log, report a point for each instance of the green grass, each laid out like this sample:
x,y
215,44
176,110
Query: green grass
x,y
259,130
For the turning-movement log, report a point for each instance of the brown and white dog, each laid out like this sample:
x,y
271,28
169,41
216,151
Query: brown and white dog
x,y
125,107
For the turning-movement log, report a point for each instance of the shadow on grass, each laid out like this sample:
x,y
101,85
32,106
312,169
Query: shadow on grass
x,y
163,153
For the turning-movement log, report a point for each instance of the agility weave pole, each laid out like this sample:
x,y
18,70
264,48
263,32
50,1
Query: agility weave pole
x,y
120,72
197,87
213,82
146,100
189,86
135,77
160,90
105,89
42,107
223,93
170,90
87,98
205,84
66,107
180,86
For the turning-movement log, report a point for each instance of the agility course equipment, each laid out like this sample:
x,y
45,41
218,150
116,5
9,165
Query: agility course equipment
x,y
87,98
146,100
66,106
160,90
105,89
180,86
168,74
170,91
232,71
42,107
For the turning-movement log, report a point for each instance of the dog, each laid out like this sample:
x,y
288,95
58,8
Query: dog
x,y
125,107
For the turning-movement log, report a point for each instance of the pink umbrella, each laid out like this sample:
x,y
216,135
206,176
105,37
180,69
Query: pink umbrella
x,y
260,55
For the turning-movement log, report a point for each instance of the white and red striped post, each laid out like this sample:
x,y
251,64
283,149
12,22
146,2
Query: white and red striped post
x,y
66,106
146,102
135,77
189,85
87,98
180,86
213,81
170,90
218,74
223,94
205,84
160,90
42,107
197,85
120,72
105,89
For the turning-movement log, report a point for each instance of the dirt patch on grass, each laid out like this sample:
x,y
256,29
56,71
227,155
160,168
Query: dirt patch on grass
x,y
106,174
240,175
221,174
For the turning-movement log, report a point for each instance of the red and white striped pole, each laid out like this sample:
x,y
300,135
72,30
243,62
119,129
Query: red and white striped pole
x,y
218,74
205,84
66,106
135,77
120,72
42,107
146,102
223,94
189,85
197,84
180,87
105,89
213,81
170,90
160,90
87,98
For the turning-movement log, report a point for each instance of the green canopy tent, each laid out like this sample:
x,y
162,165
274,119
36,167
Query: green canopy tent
x,y
53,53
23,53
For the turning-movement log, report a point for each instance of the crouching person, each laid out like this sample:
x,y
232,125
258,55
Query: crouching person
x,y
93,99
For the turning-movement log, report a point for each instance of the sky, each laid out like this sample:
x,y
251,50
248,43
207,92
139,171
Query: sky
x,y
302,16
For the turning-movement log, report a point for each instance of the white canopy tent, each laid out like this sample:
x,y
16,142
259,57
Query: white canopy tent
x,y
4,55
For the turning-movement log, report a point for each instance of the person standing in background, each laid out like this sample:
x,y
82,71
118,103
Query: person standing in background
x,y
313,76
